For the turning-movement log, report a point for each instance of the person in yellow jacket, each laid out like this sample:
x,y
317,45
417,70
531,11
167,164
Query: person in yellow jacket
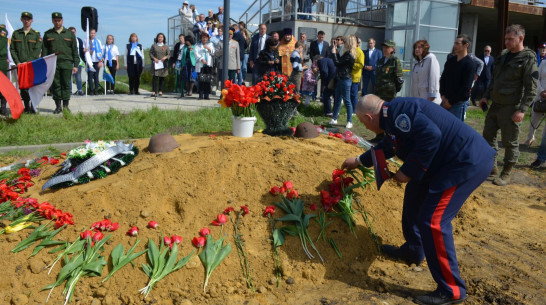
x,y
356,73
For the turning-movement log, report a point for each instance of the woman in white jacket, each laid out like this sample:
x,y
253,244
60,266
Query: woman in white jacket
x,y
204,51
425,76
537,117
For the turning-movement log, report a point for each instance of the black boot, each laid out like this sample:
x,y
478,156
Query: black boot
x,y
27,106
58,107
65,105
3,110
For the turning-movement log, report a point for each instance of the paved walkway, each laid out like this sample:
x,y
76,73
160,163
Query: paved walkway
x,y
127,103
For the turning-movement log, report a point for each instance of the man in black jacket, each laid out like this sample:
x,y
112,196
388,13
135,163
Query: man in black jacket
x,y
174,60
456,80
328,71
256,45
319,47
82,55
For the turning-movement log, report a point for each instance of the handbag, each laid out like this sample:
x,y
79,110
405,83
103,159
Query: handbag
x,y
540,106
205,76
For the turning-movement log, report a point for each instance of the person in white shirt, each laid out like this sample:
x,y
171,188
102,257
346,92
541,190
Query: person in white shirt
x,y
95,49
186,17
111,56
203,64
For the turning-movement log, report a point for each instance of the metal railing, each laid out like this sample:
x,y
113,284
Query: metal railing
x,y
357,12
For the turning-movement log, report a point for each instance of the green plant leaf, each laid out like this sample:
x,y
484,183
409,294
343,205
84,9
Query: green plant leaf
x,y
278,237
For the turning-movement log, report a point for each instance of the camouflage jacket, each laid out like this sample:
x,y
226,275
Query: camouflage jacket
x,y
25,47
514,82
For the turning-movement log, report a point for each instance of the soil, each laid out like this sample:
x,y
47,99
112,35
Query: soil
x,y
499,232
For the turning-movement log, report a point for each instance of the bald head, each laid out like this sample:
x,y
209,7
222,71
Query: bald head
x,y
368,110
368,104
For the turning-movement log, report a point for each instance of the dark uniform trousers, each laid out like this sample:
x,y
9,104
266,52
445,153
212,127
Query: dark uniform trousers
x,y
61,87
426,224
446,161
500,117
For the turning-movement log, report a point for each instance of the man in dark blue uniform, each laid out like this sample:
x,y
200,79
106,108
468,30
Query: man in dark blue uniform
x,y
445,160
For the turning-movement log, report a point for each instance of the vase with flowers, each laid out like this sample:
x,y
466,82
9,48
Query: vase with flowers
x,y
241,100
278,103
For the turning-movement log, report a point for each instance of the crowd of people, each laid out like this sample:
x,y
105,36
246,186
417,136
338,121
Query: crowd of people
x,y
334,70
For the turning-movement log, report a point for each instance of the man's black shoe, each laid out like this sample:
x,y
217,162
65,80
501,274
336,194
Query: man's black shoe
x,y
377,138
437,298
537,164
399,254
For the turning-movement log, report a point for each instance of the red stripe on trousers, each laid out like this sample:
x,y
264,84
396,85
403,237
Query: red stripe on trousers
x,y
438,239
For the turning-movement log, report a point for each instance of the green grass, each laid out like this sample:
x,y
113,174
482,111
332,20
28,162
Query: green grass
x,y
33,130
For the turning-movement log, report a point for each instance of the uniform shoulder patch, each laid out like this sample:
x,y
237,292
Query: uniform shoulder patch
x,y
403,122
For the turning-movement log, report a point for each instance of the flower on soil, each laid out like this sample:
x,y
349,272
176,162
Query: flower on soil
x,y
220,220
133,231
269,211
105,225
175,239
292,194
313,207
167,240
199,241
153,225
244,209
228,210
204,232
275,190
85,234
97,236
288,185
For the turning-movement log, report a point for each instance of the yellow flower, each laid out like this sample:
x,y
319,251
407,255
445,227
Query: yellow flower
x,y
19,227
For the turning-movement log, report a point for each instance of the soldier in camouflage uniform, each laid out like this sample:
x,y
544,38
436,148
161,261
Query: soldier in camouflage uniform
x,y
512,89
388,73
60,39
26,45
3,64
388,77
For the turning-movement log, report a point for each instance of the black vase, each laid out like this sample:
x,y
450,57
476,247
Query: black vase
x,y
276,114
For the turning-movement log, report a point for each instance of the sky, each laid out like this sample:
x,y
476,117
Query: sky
x,y
117,17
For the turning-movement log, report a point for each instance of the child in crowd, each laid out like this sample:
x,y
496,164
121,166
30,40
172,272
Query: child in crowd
x,y
310,78
297,67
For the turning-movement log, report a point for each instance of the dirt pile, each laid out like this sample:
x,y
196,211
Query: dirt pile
x,y
501,248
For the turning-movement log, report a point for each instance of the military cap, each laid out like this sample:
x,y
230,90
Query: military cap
x,y
389,43
26,14
56,15
542,45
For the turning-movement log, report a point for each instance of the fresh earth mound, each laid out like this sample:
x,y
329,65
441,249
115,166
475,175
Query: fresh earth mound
x,y
499,233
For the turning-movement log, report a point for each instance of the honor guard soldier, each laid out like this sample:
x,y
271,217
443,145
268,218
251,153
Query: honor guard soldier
x,y
60,39
445,160
26,45
3,63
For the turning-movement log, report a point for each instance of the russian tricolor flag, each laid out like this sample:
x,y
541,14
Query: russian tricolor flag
x,y
32,73
37,76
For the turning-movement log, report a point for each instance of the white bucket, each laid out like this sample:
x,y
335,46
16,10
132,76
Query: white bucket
x,y
243,127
